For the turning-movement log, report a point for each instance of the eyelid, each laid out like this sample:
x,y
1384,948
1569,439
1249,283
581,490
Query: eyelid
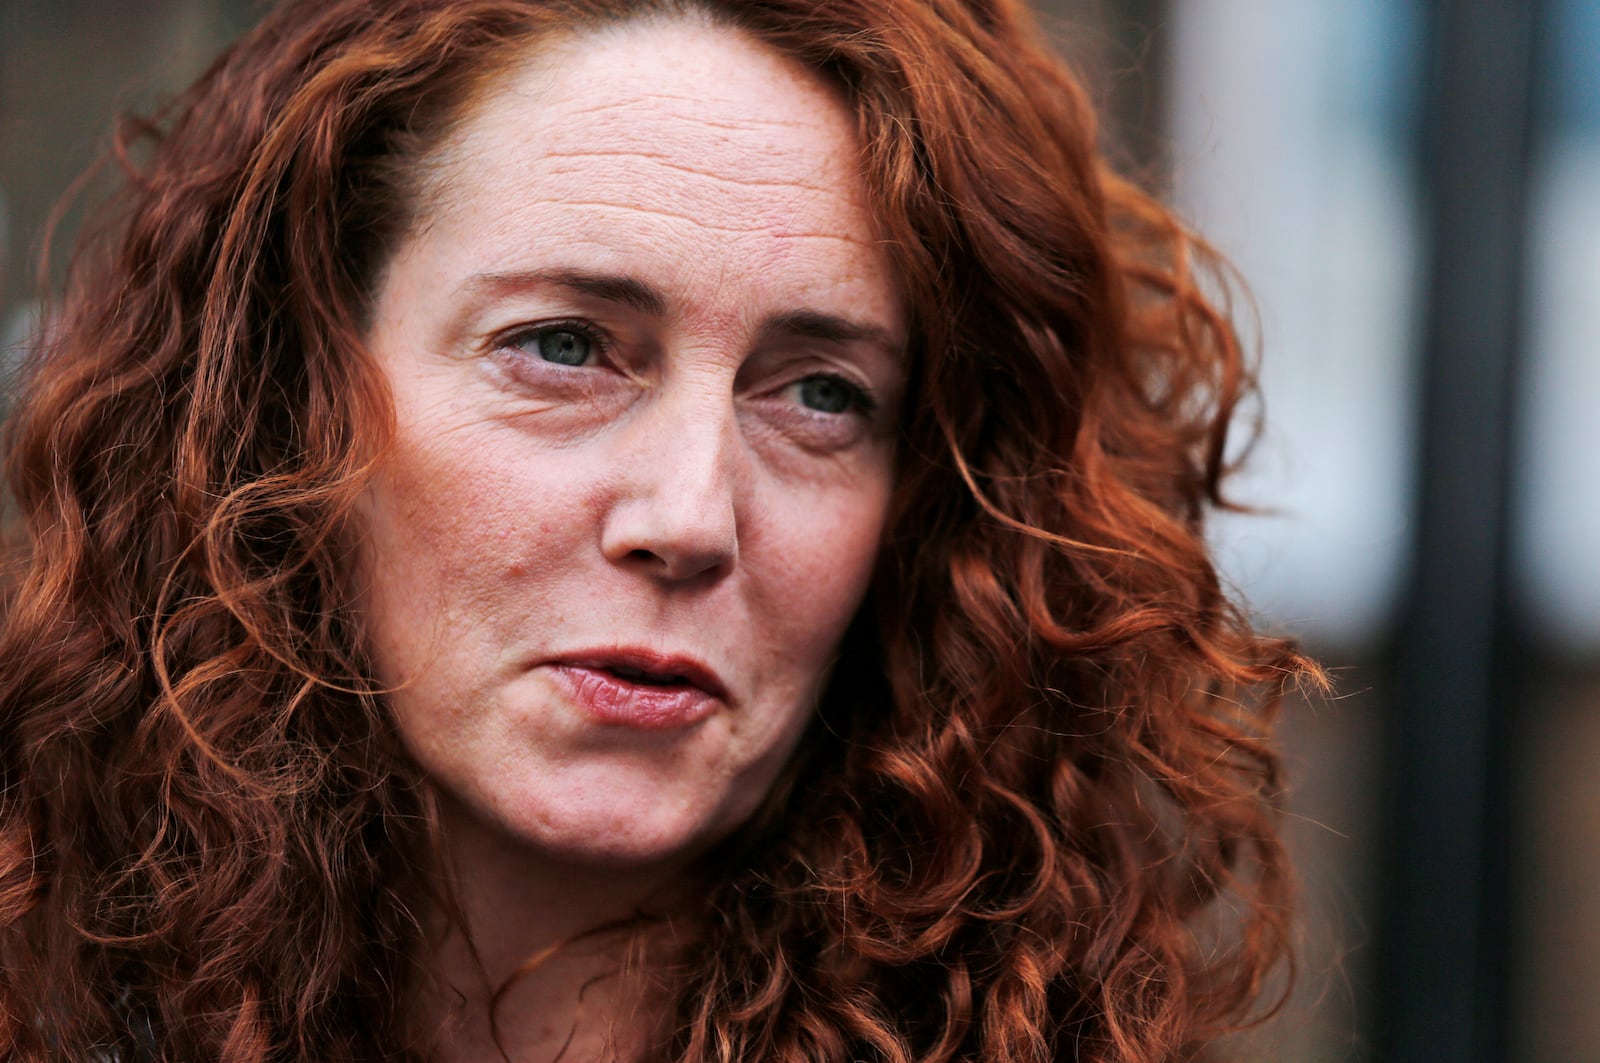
x,y
855,379
506,339
863,398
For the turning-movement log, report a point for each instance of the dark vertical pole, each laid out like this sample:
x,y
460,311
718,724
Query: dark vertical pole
x,y
1441,989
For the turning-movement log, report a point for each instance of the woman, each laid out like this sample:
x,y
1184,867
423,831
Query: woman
x,y
641,529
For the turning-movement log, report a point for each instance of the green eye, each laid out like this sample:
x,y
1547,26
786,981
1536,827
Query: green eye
x,y
564,347
827,394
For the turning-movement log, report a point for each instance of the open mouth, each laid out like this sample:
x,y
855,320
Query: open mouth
x,y
646,668
655,679
640,689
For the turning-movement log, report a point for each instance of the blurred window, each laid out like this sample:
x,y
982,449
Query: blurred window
x,y
1557,506
1292,127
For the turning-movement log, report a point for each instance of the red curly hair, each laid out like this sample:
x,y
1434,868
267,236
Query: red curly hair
x,y
1037,815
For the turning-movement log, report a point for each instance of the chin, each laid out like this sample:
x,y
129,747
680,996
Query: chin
x,y
634,839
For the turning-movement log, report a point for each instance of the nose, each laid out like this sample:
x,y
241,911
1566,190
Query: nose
x,y
675,513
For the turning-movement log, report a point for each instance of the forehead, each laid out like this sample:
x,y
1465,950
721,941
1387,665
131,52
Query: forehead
x,y
640,78
663,116
688,156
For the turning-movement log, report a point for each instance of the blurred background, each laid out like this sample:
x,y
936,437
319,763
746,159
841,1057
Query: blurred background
x,y
1412,191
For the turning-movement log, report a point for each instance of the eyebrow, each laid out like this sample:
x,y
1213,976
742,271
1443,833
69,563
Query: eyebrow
x,y
830,328
646,298
612,287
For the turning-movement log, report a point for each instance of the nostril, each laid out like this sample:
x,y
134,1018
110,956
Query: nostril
x,y
682,564
676,521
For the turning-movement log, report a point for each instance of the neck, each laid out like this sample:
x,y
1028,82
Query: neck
x,y
534,963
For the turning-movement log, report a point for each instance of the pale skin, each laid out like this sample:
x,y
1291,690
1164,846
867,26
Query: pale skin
x,y
645,350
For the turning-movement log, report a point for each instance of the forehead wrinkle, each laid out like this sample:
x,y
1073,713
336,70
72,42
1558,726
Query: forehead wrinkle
x,y
729,111
623,111
664,160
664,139
636,209
746,166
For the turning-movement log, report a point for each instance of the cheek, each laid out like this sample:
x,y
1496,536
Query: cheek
x,y
446,529
829,546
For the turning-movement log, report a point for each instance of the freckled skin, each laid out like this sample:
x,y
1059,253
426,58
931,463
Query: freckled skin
x,y
679,492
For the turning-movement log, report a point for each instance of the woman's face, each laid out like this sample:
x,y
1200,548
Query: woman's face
x,y
644,348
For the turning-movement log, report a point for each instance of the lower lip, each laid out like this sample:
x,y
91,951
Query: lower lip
x,y
611,699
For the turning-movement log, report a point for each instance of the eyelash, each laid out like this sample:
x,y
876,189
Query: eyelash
x,y
859,399
522,339
518,339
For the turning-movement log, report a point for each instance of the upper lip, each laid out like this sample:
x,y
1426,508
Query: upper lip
x,y
651,662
